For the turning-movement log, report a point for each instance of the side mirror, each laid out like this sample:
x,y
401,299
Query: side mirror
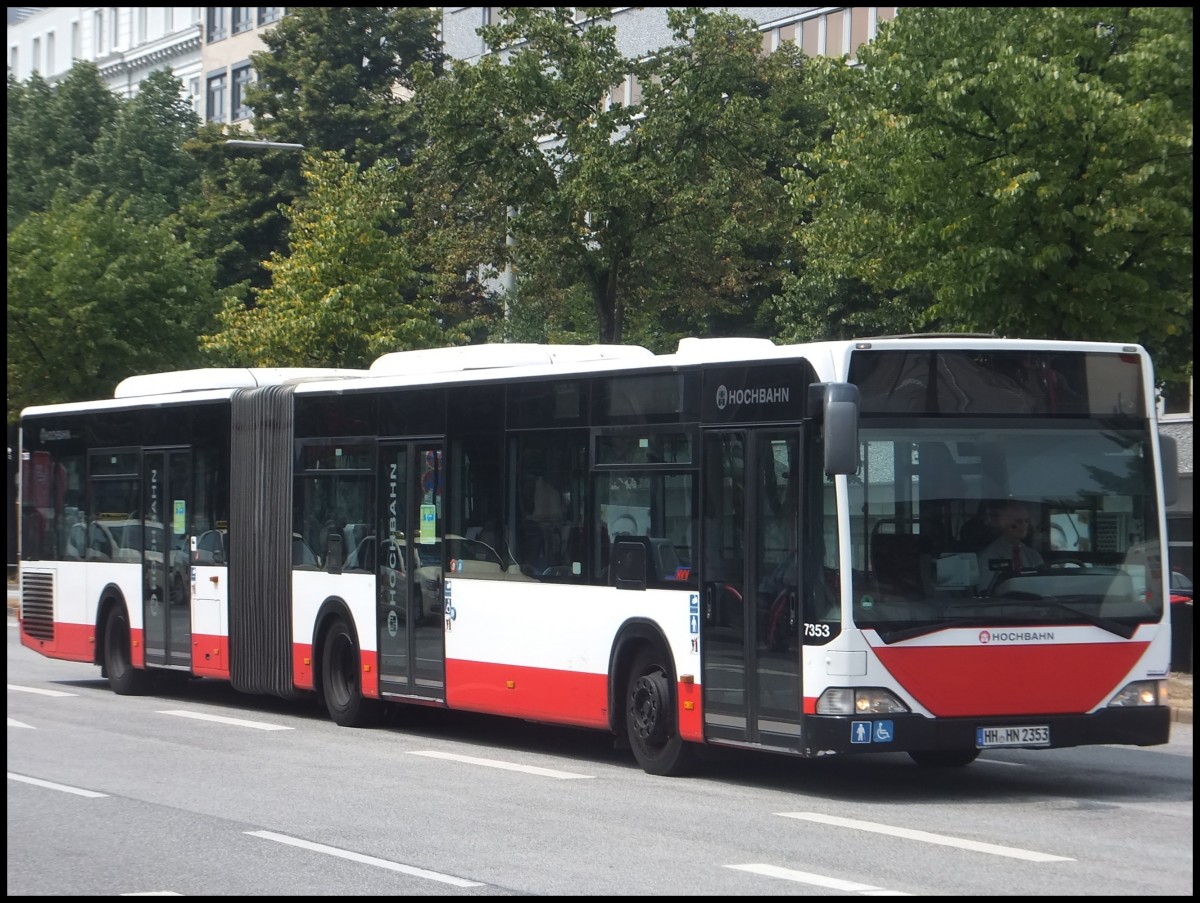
x,y
836,406
1169,453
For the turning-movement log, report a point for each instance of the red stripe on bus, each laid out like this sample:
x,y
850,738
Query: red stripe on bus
x,y
210,656
962,681
544,694
540,694
72,642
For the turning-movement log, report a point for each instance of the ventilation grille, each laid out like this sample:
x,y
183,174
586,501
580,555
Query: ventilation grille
x,y
37,604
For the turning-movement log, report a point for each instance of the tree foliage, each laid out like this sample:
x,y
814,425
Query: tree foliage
x,y
349,289
1023,170
667,212
337,78
237,215
139,156
96,294
50,130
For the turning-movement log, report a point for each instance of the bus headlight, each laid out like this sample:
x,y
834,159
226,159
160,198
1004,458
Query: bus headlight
x,y
860,701
1141,692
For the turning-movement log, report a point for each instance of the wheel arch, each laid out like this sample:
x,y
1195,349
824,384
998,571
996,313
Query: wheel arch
x,y
631,637
110,597
333,609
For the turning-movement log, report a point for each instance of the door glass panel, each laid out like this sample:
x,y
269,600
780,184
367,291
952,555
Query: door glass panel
x,y
427,564
391,559
178,571
723,591
776,559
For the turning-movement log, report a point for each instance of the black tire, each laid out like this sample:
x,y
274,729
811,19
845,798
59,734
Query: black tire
x,y
123,678
341,680
651,719
944,758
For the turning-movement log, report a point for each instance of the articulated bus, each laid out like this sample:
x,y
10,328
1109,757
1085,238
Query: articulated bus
x,y
780,548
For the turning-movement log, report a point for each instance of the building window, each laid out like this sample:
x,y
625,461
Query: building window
x,y
35,60
98,33
51,69
143,14
168,19
243,18
214,110
13,58
269,14
76,41
216,24
242,77
194,94
114,21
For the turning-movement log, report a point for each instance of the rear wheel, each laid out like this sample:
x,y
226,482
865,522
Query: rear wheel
x,y
944,758
123,678
341,680
651,720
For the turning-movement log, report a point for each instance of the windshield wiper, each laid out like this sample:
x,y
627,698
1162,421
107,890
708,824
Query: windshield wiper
x,y
1121,629
910,633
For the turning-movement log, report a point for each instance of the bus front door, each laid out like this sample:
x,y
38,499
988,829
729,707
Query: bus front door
x,y
408,570
750,647
166,565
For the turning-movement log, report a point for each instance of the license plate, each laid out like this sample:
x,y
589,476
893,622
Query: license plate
x,y
1022,735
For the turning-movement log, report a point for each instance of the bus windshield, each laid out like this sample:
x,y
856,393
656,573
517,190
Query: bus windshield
x,y
1000,523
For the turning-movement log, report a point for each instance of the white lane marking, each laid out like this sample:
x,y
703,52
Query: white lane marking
x,y
152,893
39,691
926,837
13,722
366,860
221,719
850,887
50,785
507,766
1000,762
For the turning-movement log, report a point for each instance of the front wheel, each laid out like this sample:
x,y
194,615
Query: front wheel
x,y
651,720
341,680
123,678
944,758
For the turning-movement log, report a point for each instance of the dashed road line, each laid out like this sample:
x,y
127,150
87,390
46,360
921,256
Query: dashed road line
x,y
50,785
850,887
365,860
507,766
926,837
221,719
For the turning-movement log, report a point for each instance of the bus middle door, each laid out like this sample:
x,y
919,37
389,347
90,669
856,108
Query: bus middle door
x,y
750,642
408,569
166,558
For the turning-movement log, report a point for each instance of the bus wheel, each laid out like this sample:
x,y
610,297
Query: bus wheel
x,y
123,678
651,721
341,680
944,758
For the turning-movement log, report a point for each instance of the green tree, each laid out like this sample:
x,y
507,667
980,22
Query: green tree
x,y
349,290
1023,170
49,131
337,78
96,294
140,155
237,214
667,214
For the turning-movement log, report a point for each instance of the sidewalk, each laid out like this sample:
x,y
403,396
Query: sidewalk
x,y
1179,685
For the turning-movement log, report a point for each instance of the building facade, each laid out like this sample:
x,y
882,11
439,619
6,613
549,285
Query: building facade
x,y
207,48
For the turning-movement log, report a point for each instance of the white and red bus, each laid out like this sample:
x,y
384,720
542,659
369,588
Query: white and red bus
x,y
770,547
